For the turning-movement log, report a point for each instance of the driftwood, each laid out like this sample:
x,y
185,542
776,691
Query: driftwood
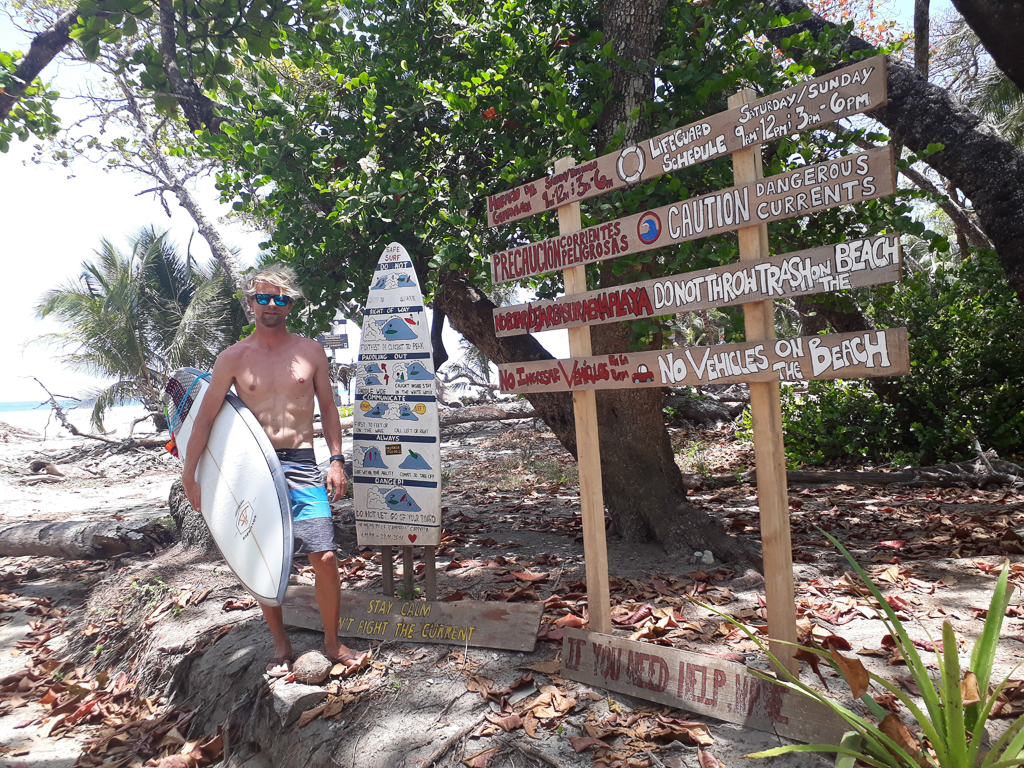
x,y
90,540
962,475
477,413
126,444
705,411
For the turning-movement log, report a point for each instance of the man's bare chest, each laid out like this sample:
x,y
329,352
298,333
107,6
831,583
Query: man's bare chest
x,y
266,375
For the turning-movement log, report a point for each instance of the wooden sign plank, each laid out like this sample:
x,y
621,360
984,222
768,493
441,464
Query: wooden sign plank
x,y
866,354
811,104
842,181
333,340
852,264
697,683
396,455
510,626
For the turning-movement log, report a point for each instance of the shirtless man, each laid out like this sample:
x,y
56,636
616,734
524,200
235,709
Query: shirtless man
x,y
277,374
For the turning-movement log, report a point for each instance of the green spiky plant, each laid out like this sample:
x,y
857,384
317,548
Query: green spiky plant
x,y
957,705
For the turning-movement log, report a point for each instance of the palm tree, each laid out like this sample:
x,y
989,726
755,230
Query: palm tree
x,y
136,317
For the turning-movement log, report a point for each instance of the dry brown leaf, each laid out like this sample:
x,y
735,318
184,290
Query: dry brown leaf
x,y
479,684
334,707
507,724
707,760
546,667
530,724
482,759
969,689
893,727
583,743
310,715
853,670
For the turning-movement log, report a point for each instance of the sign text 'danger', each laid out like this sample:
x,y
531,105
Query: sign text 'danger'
x,y
808,105
842,181
865,354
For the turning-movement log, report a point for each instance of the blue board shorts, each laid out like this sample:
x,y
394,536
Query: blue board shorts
x,y
312,525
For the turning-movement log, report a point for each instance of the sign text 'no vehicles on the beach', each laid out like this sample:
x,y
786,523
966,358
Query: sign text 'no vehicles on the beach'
x,y
864,354
810,104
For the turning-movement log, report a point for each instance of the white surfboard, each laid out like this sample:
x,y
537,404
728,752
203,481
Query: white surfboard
x,y
244,493
396,452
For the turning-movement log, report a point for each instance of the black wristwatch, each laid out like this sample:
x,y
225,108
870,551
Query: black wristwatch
x,y
337,457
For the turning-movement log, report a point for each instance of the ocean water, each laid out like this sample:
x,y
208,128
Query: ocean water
x,y
31,405
28,415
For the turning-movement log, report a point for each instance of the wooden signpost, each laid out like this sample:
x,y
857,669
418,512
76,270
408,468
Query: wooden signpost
x,y
854,264
865,354
762,360
698,683
811,104
842,181
511,626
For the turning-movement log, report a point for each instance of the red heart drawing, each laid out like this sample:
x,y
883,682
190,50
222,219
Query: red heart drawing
x,y
412,537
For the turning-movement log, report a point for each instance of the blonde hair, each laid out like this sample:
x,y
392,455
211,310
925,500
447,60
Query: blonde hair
x,y
282,276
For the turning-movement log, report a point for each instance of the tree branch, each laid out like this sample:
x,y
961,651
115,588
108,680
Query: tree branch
x,y
45,46
987,168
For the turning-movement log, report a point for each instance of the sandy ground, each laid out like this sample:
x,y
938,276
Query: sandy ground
x,y
510,494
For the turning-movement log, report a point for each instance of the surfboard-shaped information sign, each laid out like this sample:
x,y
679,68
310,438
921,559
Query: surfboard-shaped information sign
x,y
396,437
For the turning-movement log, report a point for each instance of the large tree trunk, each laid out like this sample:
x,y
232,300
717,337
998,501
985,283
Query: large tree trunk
x,y
999,24
643,488
987,168
45,46
89,540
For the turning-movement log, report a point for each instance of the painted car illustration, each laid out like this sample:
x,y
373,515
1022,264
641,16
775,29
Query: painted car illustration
x,y
642,375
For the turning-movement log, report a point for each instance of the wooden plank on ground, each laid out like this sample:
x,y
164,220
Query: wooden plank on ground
x,y
841,181
852,264
698,683
813,103
865,354
510,626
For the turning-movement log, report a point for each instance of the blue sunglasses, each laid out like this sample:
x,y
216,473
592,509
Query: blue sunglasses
x,y
264,298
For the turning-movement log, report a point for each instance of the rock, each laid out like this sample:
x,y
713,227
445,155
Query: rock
x,y
292,699
45,466
311,667
708,558
192,527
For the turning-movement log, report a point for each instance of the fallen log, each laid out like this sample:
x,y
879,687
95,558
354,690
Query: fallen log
x,y
937,477
477,413
83,540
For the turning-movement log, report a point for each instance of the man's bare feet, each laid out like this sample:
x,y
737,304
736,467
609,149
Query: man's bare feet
x,y
345,655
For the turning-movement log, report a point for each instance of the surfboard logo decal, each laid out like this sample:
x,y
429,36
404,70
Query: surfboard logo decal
x,y
244,518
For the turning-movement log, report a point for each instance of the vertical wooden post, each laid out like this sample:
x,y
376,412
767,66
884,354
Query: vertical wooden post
x,y
769,454
408,573
430,573
387,567
588,451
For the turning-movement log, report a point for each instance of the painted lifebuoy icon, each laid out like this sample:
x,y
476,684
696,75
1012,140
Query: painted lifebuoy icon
x,y
640,159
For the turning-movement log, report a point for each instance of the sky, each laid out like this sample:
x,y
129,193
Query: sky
x,y
52,221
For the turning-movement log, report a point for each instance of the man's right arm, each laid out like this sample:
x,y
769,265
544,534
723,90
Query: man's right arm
x,y
220,383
